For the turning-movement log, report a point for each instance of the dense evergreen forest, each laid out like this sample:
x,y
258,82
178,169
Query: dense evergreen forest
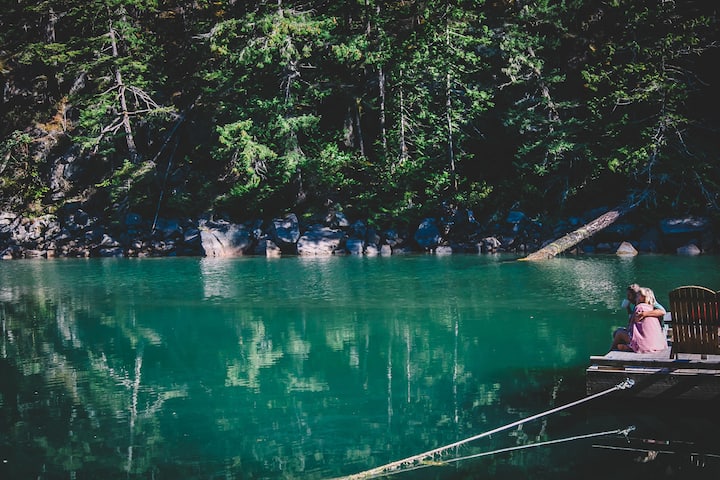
x,y
382,109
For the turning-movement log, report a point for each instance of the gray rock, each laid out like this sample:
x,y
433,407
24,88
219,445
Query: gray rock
x,y
372,237
355,246
267,247
80,218
111,252
108,241
224,240
285,232
392,238
7,218
191,236
490,244
673,226
427,235
626,249
168,228
336,219
515,217
371,250
689,249
358,229
319,241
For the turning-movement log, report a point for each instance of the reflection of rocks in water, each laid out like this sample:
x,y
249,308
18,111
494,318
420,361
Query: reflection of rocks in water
x,y
216,276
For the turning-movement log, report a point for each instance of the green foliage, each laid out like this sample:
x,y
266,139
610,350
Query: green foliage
x,y
332,172
131,183
21,181
246,157
383,108
644,82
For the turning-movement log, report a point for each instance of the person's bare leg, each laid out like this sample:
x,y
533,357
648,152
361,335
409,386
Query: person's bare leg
x,y
621,338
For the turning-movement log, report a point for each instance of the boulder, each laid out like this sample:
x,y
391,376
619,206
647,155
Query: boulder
x,y
689,249
7,218
224,240
319,241
358,230
427,235
108,242
355,246
680,226
371,250
372,236
626,249
285,232
490,244
515,217
267,247
392,238
335,219
111,252
168,228
191,236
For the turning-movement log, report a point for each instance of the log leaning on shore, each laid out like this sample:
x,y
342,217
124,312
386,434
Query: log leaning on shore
x,y
586,231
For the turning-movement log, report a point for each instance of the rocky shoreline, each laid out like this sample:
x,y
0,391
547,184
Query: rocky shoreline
x,y
75,233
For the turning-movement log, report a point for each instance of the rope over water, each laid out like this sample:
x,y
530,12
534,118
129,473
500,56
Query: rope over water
x,y
620,431
417,461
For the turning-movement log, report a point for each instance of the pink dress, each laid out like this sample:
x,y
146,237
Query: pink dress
x,y
647,336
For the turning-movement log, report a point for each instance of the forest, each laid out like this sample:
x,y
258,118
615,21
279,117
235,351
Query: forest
x,y
384,110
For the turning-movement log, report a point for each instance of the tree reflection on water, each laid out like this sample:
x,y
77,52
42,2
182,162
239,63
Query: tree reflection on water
x,y
193,369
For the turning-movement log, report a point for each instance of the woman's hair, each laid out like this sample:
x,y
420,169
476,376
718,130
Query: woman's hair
x,y
648,294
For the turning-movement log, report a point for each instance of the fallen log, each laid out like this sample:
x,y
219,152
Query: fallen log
x,y
586,231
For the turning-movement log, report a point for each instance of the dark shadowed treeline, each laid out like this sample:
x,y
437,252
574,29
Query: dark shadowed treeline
x,y
383,109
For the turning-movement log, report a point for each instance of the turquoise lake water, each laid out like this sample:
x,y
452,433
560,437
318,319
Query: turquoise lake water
x,y
189,368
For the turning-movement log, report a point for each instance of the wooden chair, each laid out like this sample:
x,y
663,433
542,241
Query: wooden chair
x,y
695,321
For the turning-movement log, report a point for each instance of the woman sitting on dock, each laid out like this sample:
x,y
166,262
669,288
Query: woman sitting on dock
x,y
643,336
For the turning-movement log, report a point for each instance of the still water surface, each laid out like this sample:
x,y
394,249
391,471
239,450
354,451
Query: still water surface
x,y
317,368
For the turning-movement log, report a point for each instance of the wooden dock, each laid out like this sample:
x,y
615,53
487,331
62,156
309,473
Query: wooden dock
x,y
689,377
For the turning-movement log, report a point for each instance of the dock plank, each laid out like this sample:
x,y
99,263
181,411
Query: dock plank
x,y
657,360
691,376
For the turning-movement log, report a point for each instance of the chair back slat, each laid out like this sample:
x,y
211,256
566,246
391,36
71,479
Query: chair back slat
x,y
695,320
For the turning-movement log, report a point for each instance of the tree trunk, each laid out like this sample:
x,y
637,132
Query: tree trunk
x,y
120,85
403,139
359,134
586,231
451,150
448,117
381,86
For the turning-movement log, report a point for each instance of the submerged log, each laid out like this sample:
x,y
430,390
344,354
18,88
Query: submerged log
x,y
586,231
